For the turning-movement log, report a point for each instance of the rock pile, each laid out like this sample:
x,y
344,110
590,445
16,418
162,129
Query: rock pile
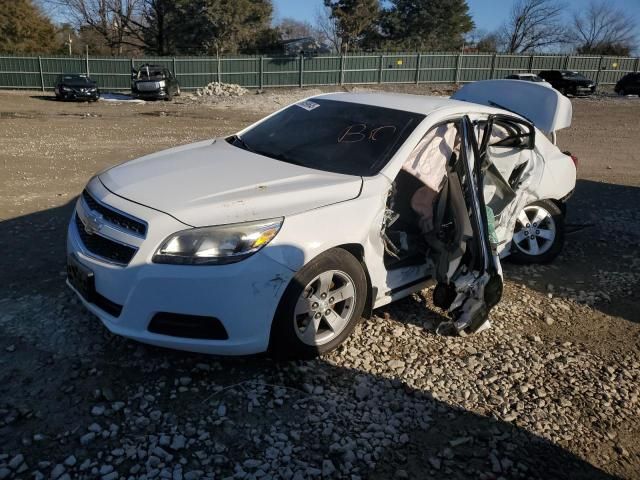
x,y
219,89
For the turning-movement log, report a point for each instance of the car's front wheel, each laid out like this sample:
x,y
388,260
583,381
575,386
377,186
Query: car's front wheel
x,y
538,236
320,307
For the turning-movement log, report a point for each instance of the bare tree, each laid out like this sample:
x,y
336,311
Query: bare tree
x,y
533,25
111,19
600,28
291,28
327,28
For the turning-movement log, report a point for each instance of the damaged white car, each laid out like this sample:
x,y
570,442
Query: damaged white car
x,y
283,236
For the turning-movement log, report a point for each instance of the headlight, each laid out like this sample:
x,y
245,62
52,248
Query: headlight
x,y
162,83
217,245
66,89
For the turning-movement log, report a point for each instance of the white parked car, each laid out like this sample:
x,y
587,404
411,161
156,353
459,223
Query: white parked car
x,y
283,236
529,77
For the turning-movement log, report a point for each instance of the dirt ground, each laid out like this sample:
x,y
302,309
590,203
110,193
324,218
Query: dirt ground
x,y
568,331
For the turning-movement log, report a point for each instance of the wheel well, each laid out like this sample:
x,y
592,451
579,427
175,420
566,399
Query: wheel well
x,y
357,251
560,204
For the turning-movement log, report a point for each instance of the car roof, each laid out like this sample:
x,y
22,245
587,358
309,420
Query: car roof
x,y
423,104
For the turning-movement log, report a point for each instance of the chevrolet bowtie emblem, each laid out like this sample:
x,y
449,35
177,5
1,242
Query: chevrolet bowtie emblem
x,y
93,223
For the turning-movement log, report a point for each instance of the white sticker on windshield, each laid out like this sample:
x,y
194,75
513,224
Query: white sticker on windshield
x,y
308,105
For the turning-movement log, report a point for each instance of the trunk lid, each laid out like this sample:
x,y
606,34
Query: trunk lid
x,y
546,108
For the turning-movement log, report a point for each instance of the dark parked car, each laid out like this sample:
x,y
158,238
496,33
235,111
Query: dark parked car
x,y
630,83
154,82
569,82
76,86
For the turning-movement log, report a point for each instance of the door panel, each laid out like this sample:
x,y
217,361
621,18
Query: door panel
x,y
467,268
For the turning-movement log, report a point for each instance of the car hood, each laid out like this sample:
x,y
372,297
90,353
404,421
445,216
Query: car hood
x,y
78,85
215,183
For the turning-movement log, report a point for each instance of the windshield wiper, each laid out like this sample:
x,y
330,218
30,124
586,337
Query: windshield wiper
x,y
280,156
235,139
243,144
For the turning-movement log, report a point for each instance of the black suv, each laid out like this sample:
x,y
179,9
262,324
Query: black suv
x,y
569,82
76,86
154,82
630,83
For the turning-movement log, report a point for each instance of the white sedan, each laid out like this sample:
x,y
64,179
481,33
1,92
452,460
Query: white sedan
x,y
282,236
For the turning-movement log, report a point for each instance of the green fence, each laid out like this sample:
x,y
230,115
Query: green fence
x,y
264,71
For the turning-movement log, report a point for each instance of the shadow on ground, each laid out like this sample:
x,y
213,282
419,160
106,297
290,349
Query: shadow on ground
x,y
52,373
600,264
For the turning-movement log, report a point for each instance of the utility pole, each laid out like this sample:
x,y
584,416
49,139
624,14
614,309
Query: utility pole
x,y
68,43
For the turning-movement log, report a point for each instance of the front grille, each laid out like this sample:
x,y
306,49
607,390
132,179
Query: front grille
x,y
114,217
103,247
148,86
188,326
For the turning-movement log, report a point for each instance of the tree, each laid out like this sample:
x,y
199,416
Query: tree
x,y
110,19
532,25
488,43
327,28
425,24
603,30
353,18
166,27
24,28
223,26
291,28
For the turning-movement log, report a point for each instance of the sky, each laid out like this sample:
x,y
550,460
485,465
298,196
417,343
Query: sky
x,y
487,14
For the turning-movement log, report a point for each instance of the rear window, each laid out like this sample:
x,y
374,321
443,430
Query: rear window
x,y
146,72
332,136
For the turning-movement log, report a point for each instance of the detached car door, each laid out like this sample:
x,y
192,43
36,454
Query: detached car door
x,y
468,273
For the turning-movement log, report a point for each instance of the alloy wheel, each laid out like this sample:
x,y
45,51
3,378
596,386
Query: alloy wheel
x,y
535,230
325,307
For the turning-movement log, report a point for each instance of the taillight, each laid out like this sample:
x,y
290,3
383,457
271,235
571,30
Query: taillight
x,y
573,158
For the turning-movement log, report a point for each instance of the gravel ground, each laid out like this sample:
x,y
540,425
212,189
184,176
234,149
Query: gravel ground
x,y
551,391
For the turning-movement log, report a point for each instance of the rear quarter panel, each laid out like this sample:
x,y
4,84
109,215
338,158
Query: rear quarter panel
x,y
559,174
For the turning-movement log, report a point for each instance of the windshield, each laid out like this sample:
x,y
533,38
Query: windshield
x,y
76,79
333,136
150,72
575,75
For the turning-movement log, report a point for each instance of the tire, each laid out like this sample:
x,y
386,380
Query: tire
x,y
622,92
308,296
547,246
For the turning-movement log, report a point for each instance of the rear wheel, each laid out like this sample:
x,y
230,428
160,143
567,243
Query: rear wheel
x,y
538,236
320,307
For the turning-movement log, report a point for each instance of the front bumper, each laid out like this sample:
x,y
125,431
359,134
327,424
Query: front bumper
x,y
243,296
583,90
150,95
80,95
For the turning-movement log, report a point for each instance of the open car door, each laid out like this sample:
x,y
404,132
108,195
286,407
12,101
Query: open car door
x,y
468,273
